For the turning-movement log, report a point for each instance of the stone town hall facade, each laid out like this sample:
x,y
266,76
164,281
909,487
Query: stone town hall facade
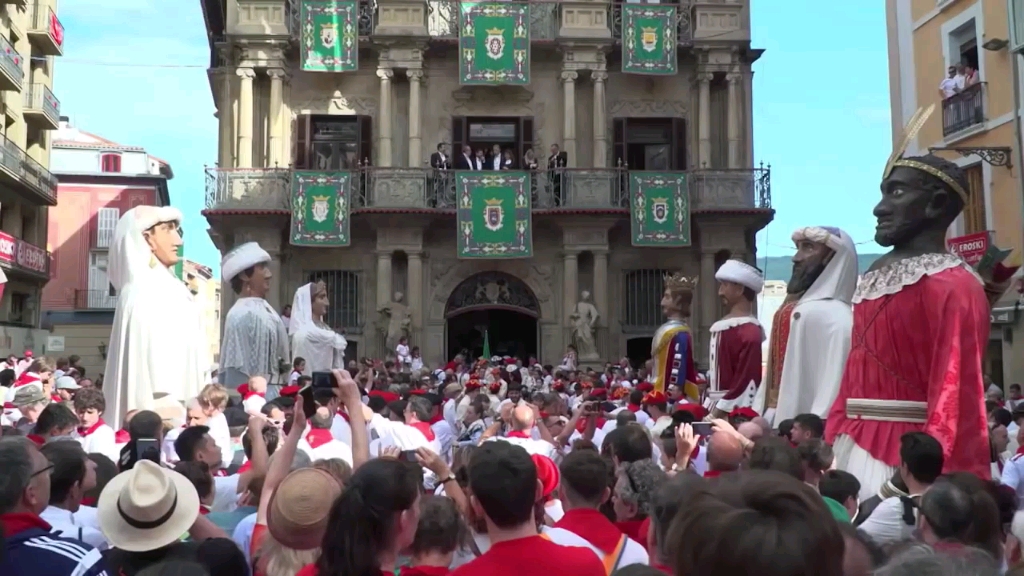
x,y
373,127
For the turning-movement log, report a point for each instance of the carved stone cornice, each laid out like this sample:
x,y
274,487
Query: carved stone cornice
x,y
647,108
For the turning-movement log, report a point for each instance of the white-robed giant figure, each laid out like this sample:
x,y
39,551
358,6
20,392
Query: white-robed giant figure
x,y
255,340
157,355
323,349
811,331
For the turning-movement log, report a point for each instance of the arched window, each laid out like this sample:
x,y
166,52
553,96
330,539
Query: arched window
x,y
110,162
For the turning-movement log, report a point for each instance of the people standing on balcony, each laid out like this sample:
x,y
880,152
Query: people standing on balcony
x,y
529,160
156,355
950,85
255,340
508,161
439,160
970,75
480,160
556,162
441,163
465,161
495,162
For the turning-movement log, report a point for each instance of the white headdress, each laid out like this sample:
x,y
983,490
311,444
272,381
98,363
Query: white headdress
x,y
242,257
740,273
839,279
302,321
130,254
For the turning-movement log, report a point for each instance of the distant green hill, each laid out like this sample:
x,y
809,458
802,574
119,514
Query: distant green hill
x,y
781,267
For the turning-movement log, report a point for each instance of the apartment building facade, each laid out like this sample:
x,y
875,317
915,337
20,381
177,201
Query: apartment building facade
x,y
31,38
978,127
205,288
98,181
398,85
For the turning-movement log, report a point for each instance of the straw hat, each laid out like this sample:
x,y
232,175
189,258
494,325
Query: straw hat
x,y
146,508
299,508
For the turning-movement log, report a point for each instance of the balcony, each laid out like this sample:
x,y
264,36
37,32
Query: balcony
x,y
964,110
21,173
248,189
17,254
268,189
94,300
12,74
45,31
42,107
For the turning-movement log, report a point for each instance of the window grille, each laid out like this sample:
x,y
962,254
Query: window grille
x,y
343,290
641,299
106,223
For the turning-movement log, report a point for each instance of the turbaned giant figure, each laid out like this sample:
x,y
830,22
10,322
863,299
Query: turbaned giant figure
x,y
920,327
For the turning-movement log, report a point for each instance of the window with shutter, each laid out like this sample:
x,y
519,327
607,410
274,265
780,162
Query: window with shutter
x,y
100,294
975,218
301,142
110,162
106,222
619,141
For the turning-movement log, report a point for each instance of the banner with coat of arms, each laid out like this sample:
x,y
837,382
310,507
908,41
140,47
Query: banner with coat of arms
x,y
494,43
330,35
649,39
659,209
320,209
493,217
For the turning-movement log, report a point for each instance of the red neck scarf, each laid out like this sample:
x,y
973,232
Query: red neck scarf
x,y
437,417
91,429
37,439
593,527
662,568
712,473
581,424
317,437
245,467
122,437
17,522
423,571
633,529
518,434
88,501
344,414
424,429
204,509
634,408
250,394
1020,450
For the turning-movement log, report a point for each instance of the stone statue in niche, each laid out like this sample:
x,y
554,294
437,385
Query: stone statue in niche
x,y
396,320
584,320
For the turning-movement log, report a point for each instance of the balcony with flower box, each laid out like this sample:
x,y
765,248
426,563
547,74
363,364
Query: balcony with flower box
x,y
45,30
41,107
12,71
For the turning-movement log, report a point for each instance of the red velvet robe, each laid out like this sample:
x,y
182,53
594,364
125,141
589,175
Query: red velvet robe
x,y
920,341
736,360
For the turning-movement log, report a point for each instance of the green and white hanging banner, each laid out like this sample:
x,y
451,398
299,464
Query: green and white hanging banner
x,y
494,43
659,209
330,35
649,39
320,209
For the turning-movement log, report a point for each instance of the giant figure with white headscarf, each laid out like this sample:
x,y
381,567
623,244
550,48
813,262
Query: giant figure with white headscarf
x,y
812,330
255,341
313,340
157,354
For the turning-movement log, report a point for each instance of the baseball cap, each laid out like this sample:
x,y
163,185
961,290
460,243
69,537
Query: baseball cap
x,y
67,383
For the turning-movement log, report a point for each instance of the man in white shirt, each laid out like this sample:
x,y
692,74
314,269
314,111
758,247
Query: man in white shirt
x,y
895,519
523,421
414,432
195,444
73,474
321,442
93,433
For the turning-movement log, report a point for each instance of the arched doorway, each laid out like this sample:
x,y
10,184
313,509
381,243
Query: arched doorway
x,y
498,306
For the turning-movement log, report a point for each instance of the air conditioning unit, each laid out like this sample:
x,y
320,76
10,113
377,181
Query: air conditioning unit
x,y
1016,9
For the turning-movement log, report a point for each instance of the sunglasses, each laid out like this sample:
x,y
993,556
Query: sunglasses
x,y
45,470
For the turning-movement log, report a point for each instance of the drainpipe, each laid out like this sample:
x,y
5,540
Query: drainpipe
x,y
1018,143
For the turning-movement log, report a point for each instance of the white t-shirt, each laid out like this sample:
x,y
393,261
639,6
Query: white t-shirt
x,y
539,447
102,440
253,404
64,523
225,493
948,86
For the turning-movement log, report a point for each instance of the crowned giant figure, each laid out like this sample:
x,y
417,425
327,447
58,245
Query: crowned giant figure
x,y
156,356
672,345
920,327
735,352
255,341
811,331
312,339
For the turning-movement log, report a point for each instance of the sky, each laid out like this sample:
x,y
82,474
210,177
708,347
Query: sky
x,y
821,104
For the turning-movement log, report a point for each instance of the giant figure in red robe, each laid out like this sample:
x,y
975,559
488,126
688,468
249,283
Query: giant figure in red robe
x,y
735,352
920,327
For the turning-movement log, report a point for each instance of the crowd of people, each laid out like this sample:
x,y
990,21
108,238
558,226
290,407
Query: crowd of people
x,y
480,467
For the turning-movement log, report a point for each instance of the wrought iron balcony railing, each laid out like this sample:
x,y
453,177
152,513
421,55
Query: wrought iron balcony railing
x,y
21,172
268,189
95,300
42,106
12,72
964,109
45,30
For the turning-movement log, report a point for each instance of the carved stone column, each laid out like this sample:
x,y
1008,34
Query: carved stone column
x,y
570,267
383,277
569,118
733,125
707,296
245,117
601,301
276,123
226,122
415,128
415,284
384,120
600,122
704,120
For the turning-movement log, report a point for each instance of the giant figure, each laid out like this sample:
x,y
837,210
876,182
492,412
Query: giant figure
x,y
157,355
312,339
920,327
735,351
255,340
811,331
672,345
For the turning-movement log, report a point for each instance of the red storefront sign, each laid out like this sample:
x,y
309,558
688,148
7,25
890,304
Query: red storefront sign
x,y
970,247
22,254
8,248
